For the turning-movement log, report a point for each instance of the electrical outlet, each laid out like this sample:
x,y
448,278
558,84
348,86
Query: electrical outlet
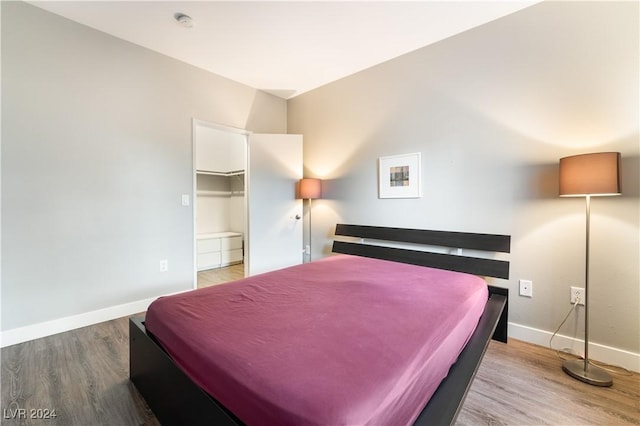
x,y
577,292
526,288
164,265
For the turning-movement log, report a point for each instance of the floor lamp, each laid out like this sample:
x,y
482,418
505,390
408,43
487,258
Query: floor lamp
x,y
309,190
589,175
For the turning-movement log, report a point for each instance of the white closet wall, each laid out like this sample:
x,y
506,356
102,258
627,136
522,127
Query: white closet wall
x,y
237,204
219,151
220,203
220,162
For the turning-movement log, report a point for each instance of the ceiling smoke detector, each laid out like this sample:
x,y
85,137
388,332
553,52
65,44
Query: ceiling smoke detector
x,y
184,20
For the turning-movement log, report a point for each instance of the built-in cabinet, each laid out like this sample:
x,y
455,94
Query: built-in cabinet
x,y
218,249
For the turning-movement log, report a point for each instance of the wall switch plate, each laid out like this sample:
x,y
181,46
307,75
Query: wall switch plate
x,y
164,265
526,288
577,292
185,199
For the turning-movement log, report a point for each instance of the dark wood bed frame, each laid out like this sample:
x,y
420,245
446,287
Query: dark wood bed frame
x,y
176,400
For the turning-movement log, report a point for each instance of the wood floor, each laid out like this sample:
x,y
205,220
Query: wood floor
x,y
523,384
83,376
220,275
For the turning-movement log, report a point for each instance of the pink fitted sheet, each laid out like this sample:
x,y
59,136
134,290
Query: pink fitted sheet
x,y
343,340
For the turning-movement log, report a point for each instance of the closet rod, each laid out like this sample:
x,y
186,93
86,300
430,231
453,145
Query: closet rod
x,y
210,173
220,193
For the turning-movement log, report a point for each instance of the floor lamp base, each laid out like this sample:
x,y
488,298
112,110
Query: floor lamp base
x,y
588,373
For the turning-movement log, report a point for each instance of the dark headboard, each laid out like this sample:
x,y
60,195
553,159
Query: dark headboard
x,y
453,262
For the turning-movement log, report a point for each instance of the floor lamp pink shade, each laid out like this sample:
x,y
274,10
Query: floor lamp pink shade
x,y
310,188
589,175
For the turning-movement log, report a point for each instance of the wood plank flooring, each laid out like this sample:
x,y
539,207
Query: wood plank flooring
x,y
523,384
83,375
220,275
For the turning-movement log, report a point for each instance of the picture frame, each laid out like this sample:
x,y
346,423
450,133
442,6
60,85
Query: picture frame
x,y
399,176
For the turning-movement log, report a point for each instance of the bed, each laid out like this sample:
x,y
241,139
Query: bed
x,y
337,341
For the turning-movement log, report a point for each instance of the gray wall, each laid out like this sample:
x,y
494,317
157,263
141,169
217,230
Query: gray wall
x,y
96,152
492,110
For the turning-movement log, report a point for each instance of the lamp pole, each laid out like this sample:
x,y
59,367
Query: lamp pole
x,y
586,284
310,249
581,369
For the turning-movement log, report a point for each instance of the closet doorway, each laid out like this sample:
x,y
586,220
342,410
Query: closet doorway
x,y
220,159
245,207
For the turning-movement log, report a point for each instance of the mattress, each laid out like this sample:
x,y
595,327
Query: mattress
x,y
342,340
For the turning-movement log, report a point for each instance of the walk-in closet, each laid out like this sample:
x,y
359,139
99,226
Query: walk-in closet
x,y
220,158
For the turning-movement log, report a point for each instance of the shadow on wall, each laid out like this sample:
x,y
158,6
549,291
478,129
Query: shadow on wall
x,y
259,121
630,176
541,182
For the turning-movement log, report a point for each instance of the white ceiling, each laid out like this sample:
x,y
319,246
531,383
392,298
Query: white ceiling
x,y
285,48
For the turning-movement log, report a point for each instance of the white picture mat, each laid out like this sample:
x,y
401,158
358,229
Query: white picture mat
x,y
399,176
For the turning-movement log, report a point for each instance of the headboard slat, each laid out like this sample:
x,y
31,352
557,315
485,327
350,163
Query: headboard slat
x,y
471,265
463,240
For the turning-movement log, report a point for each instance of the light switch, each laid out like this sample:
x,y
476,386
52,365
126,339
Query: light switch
x,y
185,199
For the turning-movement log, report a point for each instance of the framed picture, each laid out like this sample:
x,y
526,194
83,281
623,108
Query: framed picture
x,y
399,176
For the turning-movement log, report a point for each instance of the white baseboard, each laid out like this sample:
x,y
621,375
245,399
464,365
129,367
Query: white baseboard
x,y
598,352
48,328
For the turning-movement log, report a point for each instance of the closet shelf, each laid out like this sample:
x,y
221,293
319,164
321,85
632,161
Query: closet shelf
x,y
231,173
204,193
